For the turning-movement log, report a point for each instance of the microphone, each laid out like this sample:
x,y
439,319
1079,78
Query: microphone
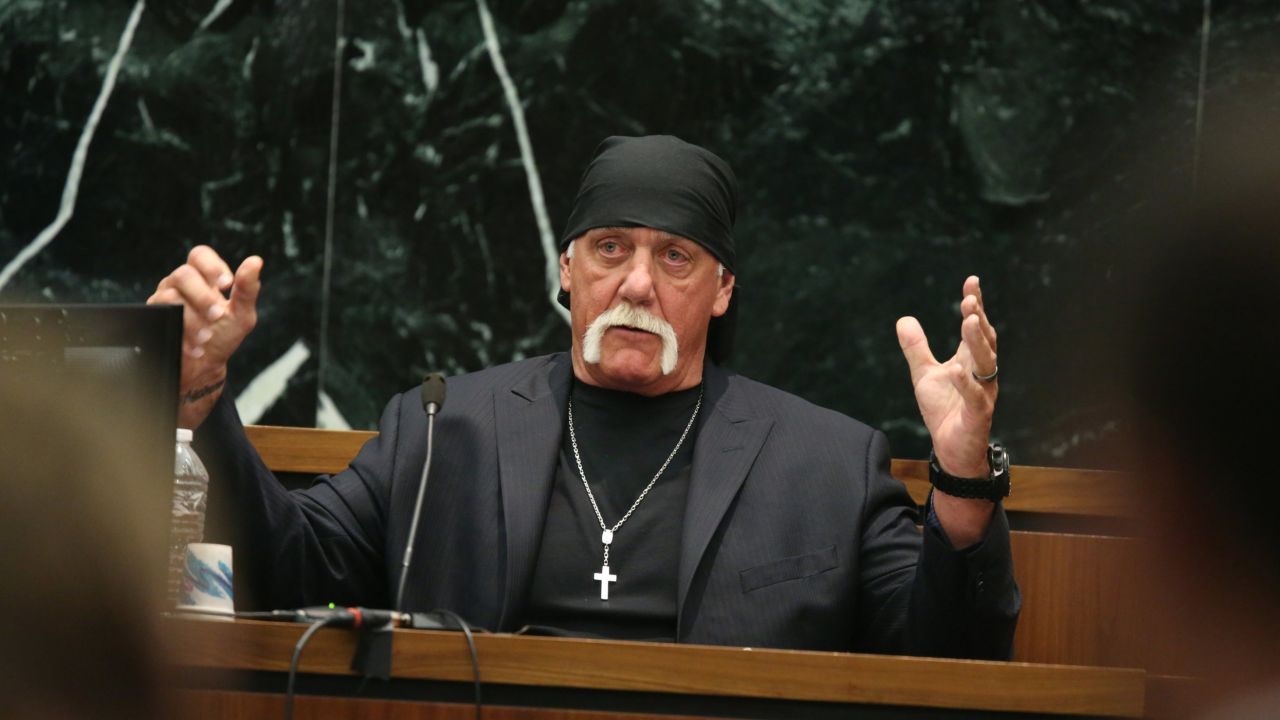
x,y
433,388
373,653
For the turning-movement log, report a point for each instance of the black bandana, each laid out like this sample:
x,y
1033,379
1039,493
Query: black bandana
x,y
665,183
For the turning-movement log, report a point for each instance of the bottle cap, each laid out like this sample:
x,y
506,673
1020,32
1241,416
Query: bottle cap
x,y
184,435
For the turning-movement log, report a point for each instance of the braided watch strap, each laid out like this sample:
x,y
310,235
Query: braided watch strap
x,y
993,487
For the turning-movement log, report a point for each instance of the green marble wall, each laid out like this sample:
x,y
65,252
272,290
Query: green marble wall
x,y
885,150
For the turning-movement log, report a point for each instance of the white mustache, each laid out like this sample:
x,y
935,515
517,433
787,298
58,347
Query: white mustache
x,y
630,316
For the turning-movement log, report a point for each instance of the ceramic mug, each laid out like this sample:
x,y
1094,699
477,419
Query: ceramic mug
x,y
207,580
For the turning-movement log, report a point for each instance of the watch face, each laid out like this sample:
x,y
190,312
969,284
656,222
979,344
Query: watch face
x,y
999,460
993,487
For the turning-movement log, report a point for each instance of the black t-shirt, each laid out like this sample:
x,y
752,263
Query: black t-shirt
x,y
623,439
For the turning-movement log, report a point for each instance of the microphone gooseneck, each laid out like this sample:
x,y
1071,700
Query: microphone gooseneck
x,y
433,391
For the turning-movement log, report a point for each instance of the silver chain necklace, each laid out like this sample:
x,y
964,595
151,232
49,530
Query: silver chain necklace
x,y
606,532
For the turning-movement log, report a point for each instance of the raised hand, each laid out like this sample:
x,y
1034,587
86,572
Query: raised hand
x,y
219,311
955,403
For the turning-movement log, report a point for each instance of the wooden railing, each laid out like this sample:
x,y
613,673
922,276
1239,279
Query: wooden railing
x,y
1067,491
1082,603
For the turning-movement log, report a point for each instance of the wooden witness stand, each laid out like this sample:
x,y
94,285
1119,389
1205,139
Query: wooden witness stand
x,y
1080,647
638,679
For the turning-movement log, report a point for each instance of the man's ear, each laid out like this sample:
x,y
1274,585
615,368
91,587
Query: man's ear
x,y
723,294
564,271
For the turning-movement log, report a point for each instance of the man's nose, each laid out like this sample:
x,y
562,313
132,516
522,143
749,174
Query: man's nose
x,y
637,286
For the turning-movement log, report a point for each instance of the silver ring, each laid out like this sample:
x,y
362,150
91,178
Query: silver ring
x,y
986,378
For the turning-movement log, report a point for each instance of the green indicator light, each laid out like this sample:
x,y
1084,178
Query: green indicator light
x,y
331,606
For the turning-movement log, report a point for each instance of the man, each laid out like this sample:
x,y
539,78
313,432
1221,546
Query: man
x,y
634,488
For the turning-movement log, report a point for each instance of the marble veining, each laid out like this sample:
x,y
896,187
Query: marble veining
x,y
267,386
883,150
545,233
72,188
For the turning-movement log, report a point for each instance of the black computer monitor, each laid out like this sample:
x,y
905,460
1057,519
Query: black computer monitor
x,y
116,366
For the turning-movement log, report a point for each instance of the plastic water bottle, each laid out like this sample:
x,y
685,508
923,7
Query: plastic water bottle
x,y
190,496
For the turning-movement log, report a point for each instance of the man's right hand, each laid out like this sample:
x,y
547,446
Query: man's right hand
x,y
213,324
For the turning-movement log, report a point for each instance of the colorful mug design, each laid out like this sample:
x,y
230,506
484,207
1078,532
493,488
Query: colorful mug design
x,y
207,580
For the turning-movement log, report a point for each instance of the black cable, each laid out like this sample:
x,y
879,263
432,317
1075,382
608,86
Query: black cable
x,y
285,615
465,627
297,653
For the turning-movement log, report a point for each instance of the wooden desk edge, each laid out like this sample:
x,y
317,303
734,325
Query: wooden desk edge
x,y
680,669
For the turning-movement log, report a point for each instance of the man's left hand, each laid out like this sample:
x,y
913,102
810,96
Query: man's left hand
x,y
957,407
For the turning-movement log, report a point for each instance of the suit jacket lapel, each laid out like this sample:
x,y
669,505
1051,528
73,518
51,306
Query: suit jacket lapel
x,y
529,419
728,441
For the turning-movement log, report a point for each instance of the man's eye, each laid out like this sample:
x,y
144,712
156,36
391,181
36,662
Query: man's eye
x,y
675,256
609,247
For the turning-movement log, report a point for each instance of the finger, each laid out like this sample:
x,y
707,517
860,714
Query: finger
x,y
195,330
972,305
165,296
196,292
979,398
984,356
988,330
962,354
211,265
244,293
915,347
973,286
243,302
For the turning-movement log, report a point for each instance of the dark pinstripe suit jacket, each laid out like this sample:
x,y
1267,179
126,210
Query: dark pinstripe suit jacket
x,y
795,534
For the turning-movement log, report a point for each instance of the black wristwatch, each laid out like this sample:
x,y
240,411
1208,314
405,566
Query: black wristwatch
x,y
993,487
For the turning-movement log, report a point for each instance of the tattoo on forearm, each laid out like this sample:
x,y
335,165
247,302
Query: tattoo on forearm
x,y
203,392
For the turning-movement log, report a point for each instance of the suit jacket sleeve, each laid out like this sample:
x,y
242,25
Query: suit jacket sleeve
x,y
303,547
921,597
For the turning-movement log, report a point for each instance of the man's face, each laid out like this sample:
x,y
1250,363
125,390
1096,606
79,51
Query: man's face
x,y
669,277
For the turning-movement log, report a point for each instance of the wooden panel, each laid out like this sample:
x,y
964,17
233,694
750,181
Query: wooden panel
x,y
224,705
306,450
1035,489
683,669
1048,490
1081,600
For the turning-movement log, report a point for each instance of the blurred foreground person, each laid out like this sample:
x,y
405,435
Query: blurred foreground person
x,y
1204,339
78,596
